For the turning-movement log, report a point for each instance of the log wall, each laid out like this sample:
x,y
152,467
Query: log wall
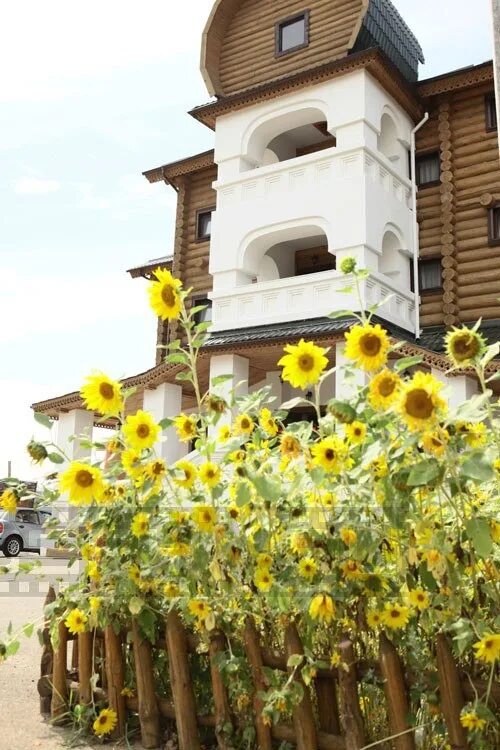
x,y
247,56
453,216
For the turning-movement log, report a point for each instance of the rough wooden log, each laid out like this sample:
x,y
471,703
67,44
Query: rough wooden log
x,y
85,668
328,708
181,684
219,690
395,694
59,703
350,712
254,656
303,716
285,733
115,673
452,698
46,661
149,716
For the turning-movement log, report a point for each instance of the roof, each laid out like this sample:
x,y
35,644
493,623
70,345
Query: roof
x,y
385,28
461,78
169,172
146,269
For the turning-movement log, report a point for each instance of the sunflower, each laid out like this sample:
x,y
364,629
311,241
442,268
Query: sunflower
x,y
268,423
178,549
470,720
488,648
495,530
348,536
435,441
93,572
131,462
210,474
8,501
100,393
199,608
352,570
82,482
141,431
106,722
322,608
379,467
187,428
76,621
474,434
298,543
204,516
330,454
164,295
263,579
170,590
134,574
308,568
374,618
156,469
395,616
264,561
420,403
355,432
140,525
244,425
464,346
185,474
384,390
368,346
303,364
224,433
289,445
95,604
419,599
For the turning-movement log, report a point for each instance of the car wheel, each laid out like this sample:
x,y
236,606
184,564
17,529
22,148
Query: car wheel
x,y
12,546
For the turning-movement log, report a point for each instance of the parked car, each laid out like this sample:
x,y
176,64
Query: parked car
x,y
21,531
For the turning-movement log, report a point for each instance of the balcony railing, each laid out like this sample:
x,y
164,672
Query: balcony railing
x,y
305,297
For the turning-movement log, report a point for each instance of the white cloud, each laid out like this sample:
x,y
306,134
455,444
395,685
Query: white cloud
x,y
35,186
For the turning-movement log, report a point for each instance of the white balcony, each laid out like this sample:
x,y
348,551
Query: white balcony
x,y
305,297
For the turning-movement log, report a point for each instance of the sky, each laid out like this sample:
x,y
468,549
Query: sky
x,y
92,94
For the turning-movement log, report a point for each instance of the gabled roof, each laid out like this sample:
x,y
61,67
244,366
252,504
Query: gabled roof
x,y
145,270
170,172
384,27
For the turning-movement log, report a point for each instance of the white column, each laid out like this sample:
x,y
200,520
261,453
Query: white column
x,y
238,368
77,422
273,381
166,402
461,388
346,385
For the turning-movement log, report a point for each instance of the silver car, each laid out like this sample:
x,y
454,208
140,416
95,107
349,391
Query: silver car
x,y
21,531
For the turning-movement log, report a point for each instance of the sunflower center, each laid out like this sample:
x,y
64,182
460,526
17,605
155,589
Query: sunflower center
x,y
157,468
168,295
386,387
465,347
207,517
245,424
488,644
143,430
419,404
370,344
306,362
107,391
102,720
210,473
394,613
84,478
329,454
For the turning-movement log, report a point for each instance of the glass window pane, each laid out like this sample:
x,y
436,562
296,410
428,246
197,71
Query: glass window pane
x,y
496,224
204,224
428,169
293,34
491,113
430,275
203,316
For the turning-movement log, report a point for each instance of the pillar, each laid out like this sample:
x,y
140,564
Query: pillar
x,y
238,368
346,385
166,402
77,422
460,388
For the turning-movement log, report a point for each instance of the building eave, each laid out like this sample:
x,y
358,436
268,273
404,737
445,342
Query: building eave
x,y
146,270
189,164
462,78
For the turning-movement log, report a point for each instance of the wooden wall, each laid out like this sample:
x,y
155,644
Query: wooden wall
x,y
247,56
453,216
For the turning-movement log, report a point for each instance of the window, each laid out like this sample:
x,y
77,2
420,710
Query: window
x,y
494,225
203,316
430,274
204,224
491,112
428,170
292,33
27,516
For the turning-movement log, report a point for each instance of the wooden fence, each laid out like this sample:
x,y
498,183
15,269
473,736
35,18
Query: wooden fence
x,y
328,718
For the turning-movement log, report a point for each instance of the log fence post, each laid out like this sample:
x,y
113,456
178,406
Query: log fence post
x,y
149,715
395,694
85,667
181,684
59,703
46,661
350,712
328,708
115,673
254,656
303,716
452,697
223,716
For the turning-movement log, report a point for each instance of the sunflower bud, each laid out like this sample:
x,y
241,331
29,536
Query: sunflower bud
x,y
342,412
216,404
37,451
348,265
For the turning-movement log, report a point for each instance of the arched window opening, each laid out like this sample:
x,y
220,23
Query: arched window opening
x,y
388,143
296,257
306,139
395,260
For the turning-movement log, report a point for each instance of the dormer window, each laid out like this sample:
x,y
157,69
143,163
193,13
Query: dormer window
x,y
292,33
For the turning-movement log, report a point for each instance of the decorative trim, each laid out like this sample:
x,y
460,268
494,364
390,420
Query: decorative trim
x,y
457,79
168,172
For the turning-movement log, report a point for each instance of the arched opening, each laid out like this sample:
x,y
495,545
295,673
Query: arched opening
x,y
388,143
287,253
287,136
395,259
